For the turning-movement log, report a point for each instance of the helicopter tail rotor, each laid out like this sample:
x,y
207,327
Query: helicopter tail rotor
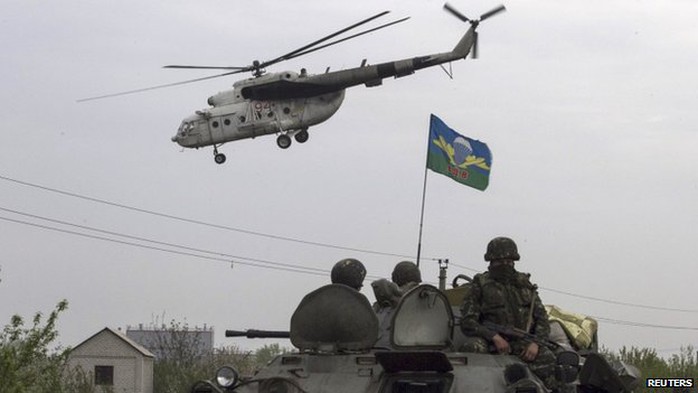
x,y
492,12
474,22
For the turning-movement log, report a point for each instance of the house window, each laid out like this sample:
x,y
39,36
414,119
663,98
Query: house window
x,y
104,375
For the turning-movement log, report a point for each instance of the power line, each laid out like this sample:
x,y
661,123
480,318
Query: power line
x,y
222,254
465,267
642,324
198,222
620,303
255,262
327,245
600,299
295,268
274,265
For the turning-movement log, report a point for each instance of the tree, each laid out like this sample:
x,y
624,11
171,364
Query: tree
x,y
651,365
178,358
181,362
267,353
28,364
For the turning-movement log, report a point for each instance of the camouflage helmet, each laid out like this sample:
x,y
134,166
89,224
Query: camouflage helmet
x,y
502,248
350,272
405,272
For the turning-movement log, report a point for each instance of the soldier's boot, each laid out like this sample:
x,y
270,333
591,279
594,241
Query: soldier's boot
x,y
566,371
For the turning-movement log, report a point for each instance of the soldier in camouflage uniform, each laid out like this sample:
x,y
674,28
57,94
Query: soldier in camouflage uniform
x,y
405,276
506,297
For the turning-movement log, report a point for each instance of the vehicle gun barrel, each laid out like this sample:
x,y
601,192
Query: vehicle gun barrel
x,y
254,333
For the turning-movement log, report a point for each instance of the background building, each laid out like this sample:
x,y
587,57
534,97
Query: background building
x,y
115,362
173,342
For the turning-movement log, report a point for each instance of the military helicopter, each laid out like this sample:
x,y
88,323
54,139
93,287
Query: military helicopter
x,y
288,103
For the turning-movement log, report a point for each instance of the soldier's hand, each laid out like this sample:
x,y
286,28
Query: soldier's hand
x,y
530,353
501,344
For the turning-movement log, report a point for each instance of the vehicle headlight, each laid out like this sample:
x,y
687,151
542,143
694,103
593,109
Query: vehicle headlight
x,y
226,376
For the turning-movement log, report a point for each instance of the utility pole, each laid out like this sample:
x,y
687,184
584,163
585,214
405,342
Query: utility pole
x,y
443,266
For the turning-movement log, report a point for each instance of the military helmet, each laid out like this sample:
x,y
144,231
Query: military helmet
x,y
350,272
405,272
502,248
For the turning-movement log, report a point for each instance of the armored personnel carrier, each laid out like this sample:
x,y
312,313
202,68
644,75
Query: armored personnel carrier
x,y
345,346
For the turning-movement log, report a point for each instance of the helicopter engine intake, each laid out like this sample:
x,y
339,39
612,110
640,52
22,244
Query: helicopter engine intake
x,y
222,98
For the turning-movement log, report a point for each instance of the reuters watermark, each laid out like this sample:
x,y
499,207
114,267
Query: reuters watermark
x,y
670,383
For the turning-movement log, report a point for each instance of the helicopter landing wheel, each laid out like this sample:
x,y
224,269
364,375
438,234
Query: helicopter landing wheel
x,y
219,158
284,141
301,136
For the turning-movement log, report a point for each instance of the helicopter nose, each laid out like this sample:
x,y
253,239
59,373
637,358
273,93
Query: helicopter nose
x,y
179,138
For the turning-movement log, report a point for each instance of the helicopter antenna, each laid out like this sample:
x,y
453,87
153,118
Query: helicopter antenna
x,y
474,22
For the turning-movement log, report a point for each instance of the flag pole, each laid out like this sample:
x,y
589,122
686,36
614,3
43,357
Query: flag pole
x,y
424,193
421,216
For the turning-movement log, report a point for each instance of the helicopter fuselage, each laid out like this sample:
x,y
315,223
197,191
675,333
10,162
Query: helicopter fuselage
x,y
288,102
233,117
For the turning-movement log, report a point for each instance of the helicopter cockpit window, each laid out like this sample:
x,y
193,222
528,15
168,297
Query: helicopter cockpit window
x,y
185,128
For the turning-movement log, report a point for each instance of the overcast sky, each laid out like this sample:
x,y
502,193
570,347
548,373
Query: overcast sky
x,y
589,109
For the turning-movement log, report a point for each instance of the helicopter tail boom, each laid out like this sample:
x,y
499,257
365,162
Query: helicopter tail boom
x,y
461,50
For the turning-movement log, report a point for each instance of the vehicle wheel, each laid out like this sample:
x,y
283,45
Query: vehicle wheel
x,y
219,158
284,141
301,136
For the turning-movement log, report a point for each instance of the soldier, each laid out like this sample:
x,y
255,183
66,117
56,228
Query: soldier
x,y
406,275
350,272
504,297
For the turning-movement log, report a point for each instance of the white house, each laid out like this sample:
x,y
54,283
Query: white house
x,y
115,362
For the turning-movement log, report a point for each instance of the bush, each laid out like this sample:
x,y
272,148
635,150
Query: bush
x,y
651,365
29,365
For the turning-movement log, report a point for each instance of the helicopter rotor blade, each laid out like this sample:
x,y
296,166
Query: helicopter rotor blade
x,y
194,67
492,12
123,93
303,48
347,38
256,66
456,13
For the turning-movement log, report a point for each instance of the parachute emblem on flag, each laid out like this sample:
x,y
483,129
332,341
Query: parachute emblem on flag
x,y
460,153
465,160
